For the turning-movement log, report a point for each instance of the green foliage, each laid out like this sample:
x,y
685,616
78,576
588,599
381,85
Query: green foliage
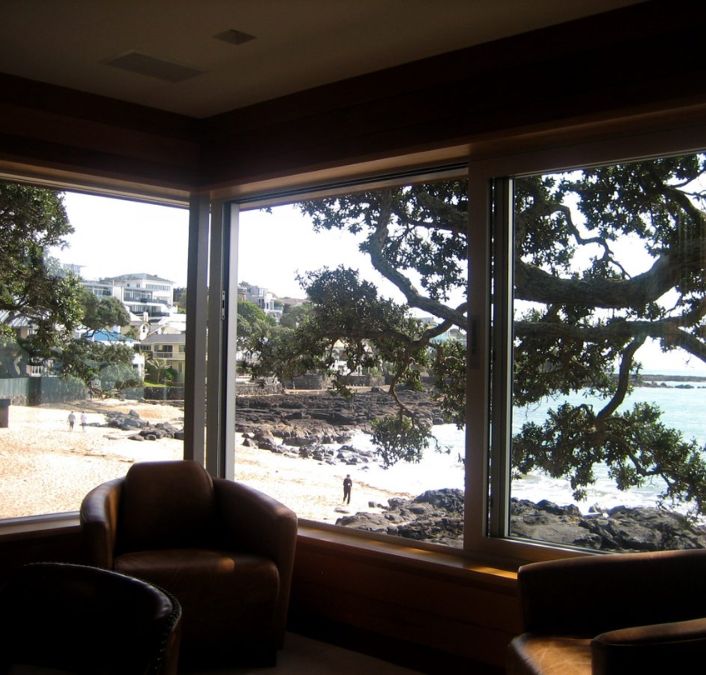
x,y
253,324
89,361
293,316
32,285
180,299
157,371
99,313
400,438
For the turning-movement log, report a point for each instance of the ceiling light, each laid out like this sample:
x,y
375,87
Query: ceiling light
x,y
234,37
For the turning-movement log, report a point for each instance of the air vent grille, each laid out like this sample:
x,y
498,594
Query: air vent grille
x,y
142,64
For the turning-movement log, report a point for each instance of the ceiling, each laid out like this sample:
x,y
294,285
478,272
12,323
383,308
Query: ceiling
x,y
298,44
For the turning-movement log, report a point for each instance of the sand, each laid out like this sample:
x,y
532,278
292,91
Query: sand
x,y
46,468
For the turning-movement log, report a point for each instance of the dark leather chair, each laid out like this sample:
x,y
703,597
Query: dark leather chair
x,y
618,613
225,550
64,618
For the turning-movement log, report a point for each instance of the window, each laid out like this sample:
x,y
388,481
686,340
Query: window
x,y
599,366
75,383
359,378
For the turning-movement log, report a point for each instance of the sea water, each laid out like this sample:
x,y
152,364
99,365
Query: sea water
x,y
682,408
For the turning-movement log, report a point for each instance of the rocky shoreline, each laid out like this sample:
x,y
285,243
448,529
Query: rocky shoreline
x,y
306,419
437,516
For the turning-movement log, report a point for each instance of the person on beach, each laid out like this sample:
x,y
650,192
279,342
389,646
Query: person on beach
x,y
347,486
84,421
72,420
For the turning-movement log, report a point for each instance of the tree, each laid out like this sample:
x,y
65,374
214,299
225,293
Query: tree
x,y
576,323
159,372
32,285
100,313
90,361
180,299
294,315
253,325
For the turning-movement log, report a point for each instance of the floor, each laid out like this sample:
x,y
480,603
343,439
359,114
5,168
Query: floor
x,y
304,656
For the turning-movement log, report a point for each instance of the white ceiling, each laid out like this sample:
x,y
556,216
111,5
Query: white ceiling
x,y
299,43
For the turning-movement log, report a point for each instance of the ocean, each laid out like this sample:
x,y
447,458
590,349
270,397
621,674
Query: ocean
x,y
682,408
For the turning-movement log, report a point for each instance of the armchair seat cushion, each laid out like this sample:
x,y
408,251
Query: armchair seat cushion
x,y
247,586
550,655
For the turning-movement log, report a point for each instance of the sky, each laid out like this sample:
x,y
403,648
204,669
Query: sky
x,y
113,236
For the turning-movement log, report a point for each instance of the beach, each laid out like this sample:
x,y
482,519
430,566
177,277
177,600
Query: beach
x,y
47,468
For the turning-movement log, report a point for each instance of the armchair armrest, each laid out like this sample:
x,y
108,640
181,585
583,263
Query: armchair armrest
x,y
593,594
99,523
655,648
257,522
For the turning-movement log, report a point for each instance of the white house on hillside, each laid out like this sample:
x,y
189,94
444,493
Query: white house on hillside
x,y
140,293
263,298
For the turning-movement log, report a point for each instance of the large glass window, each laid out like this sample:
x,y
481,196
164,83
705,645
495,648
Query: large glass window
x,y
608,355
87,385
351,354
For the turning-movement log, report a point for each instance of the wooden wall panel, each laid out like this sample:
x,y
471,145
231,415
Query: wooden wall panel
x,y
447,610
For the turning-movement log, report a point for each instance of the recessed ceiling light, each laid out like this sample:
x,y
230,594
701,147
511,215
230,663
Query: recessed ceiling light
x,y
235,37
142,64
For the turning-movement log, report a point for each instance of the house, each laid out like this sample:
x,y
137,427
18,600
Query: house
x,y
169,348
474,87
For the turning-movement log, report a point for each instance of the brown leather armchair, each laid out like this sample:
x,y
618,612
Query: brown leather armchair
x,y
225,550
64,618
618,613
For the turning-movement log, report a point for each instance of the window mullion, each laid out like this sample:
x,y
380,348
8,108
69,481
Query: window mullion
x,y
501,358
196,317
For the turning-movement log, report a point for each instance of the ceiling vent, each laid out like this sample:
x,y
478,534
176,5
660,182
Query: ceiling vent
x,y
234,37
142,64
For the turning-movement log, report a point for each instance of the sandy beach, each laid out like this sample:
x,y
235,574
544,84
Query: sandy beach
x,y
46,468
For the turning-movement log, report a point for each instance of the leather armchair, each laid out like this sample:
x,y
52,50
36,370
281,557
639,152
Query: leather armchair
x,y
225,550
618,613
65,618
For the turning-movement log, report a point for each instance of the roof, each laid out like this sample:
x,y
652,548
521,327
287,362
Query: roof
x,y
165,339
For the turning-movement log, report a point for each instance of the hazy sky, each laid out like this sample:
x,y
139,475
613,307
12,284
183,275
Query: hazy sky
x,y
114,236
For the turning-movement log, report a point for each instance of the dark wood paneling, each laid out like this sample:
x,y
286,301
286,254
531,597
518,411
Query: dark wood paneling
x,y
404,599
60,545
59,128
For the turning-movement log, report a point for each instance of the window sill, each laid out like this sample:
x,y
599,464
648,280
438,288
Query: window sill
x,y
447,563
38,526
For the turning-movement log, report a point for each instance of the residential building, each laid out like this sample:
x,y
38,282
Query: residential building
x,y
482,89
169,348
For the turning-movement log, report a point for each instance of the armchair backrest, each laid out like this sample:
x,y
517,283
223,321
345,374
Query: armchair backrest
x,y
166,505
593,594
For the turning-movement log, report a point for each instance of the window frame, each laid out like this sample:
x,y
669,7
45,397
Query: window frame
x,y
487,523
486,172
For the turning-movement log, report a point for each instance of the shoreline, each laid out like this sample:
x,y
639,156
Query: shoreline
x,y
46,468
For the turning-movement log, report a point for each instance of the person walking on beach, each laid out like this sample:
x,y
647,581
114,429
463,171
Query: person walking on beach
x,y
84,420
347,486
72,420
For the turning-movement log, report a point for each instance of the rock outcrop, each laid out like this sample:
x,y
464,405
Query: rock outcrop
x,y
144,430
309,419
437,516
621,528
